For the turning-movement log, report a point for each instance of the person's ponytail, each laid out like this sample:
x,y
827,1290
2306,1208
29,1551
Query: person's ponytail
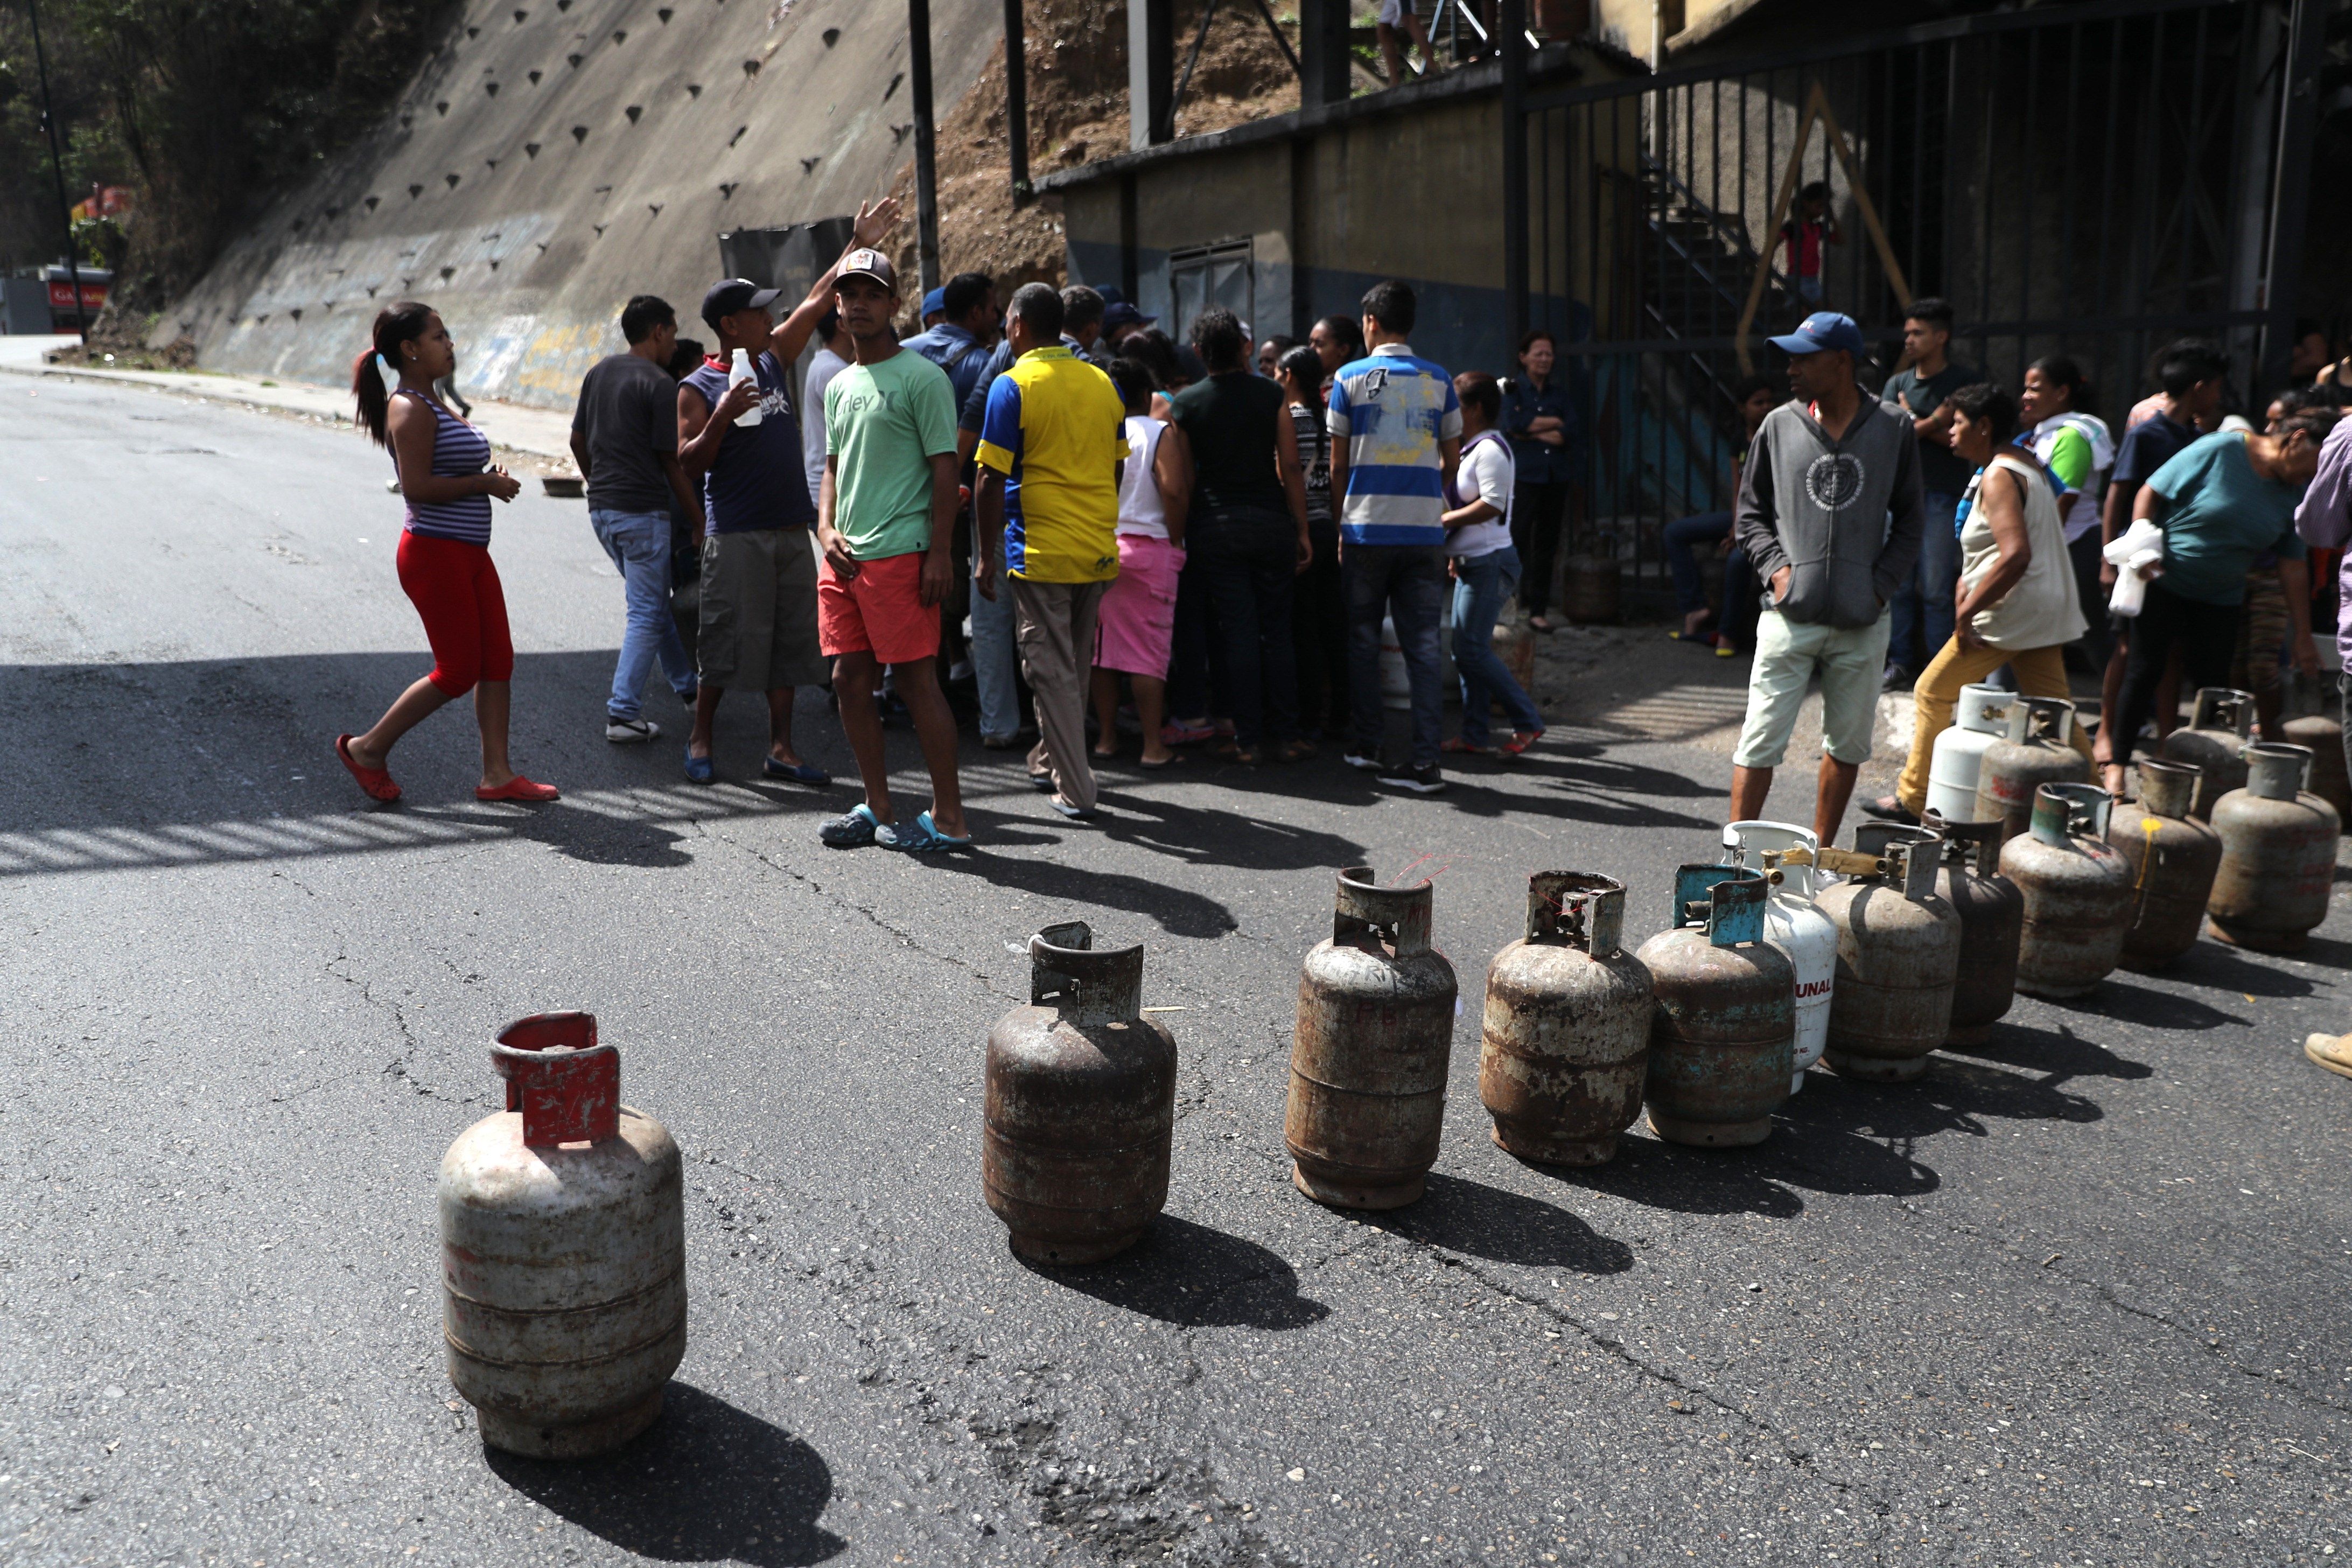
x,y
396,324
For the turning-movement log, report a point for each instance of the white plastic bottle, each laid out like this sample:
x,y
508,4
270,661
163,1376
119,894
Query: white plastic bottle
x,y
737,373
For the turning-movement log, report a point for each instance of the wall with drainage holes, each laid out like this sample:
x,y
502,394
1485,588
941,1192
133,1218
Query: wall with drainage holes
x,y
557,156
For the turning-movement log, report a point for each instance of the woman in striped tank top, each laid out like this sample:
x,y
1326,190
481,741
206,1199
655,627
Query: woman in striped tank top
x,y
448,480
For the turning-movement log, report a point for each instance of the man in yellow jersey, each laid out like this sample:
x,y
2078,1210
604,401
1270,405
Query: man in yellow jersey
x,y
1049,456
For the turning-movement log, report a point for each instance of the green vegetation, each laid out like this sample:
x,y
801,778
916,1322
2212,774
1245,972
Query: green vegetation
x,y
203,109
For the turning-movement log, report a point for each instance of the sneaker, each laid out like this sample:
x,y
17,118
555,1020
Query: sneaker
x,y
1362,762
1424,780
1001,742
1896,678
623,732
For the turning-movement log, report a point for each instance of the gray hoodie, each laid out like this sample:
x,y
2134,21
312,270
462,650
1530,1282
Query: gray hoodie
x,y
1844,516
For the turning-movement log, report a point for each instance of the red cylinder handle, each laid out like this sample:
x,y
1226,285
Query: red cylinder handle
x,y
567,1087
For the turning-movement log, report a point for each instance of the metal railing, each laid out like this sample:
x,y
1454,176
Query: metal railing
x,y
2094,179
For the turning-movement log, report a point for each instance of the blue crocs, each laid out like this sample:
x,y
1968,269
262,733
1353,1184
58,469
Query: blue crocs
x,y
853,829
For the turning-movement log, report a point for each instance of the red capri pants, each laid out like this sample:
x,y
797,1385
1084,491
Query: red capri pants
x,y
455,591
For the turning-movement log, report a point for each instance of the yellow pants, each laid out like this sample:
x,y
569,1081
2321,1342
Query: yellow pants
x,y
2040,672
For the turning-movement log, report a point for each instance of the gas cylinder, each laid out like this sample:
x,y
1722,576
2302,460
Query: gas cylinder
x,y
2278,853
1978,720
562,1250
2219,722
2035,752
1803,935
1566,1037
1723,1033
1081,1106
2172,856
2314,728
1369,1062
2077,889
1898,954
1991,913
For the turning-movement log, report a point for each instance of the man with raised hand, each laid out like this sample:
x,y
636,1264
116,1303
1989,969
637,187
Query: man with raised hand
x,y
886,518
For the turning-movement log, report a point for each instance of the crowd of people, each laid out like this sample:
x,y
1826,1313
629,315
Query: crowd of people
x,y
1204,543
1969,533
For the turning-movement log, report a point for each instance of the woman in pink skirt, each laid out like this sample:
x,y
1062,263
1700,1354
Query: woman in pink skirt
x,y
1137,618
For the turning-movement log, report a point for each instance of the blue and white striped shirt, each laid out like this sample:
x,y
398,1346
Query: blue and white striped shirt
x,y
459,451
1392,409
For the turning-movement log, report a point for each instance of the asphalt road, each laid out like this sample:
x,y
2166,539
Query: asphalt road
x,y
2078,1295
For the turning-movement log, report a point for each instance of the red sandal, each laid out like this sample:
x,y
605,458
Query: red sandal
x,y
518,788
376,782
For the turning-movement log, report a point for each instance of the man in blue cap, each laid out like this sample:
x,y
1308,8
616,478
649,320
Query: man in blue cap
x,y
935,305
1830,514
959,343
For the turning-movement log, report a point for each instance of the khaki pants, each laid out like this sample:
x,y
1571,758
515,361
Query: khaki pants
x,y
2040,672
1053,627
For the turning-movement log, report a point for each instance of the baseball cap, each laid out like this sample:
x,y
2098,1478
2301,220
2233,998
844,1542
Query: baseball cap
x,y
1821,330
735,294
868,264
935,301
1120,313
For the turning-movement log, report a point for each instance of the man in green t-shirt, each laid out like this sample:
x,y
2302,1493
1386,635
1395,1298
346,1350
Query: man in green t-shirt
x,y
886,516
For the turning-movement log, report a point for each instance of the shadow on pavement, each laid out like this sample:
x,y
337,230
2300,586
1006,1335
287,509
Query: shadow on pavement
x,y
1660,1175
1185,1273
1487,1222
1178,912
2119,998
708,1482
2210,964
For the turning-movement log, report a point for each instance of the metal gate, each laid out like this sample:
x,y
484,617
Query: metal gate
x,y
2094,179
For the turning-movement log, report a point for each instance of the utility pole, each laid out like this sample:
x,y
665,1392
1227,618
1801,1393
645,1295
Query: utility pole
x,y
1016,99
1511,42
58,172
2291,187
927,169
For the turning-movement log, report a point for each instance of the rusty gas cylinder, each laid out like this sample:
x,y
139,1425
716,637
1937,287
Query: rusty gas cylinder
x,y
1565,1044
2036,751
2220,722
1723,1031
2077,891
1991,913
1898,954
2172,856
1081,1104
2278,853
1368,1065
562,1250
2312,728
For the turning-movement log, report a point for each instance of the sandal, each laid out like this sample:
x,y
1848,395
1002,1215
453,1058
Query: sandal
x,y
518,788
376,782
935,842
1519,742
853,829
1297,751
1173,759
1235,752
1886,808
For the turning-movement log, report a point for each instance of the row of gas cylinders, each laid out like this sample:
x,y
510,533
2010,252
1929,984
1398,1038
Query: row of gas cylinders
x,y
562,1218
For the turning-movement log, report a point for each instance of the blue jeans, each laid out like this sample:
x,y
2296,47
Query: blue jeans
x,y
995,662
1923,606
1407,582
1681,536
638,542
1481,584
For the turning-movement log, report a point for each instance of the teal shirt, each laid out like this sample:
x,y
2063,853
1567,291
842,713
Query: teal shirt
x,y
2219,516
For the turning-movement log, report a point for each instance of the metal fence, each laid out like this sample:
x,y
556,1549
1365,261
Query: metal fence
x,y
2096,180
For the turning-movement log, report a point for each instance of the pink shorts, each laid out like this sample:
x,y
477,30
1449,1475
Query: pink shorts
x,y
1137,618
881,611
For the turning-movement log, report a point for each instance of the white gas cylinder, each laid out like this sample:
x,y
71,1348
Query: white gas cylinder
x,y
1803,935
562,1250
1981,717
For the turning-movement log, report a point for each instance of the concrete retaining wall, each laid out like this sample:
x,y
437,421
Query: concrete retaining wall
x,y
528,210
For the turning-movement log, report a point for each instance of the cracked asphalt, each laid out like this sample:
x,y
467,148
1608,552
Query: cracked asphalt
x,y
2078,1295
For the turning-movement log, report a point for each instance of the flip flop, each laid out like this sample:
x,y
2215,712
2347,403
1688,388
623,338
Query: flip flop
x,y
1514,746
1075,813
518,788
374,781
1173,759
1042,782
795,773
